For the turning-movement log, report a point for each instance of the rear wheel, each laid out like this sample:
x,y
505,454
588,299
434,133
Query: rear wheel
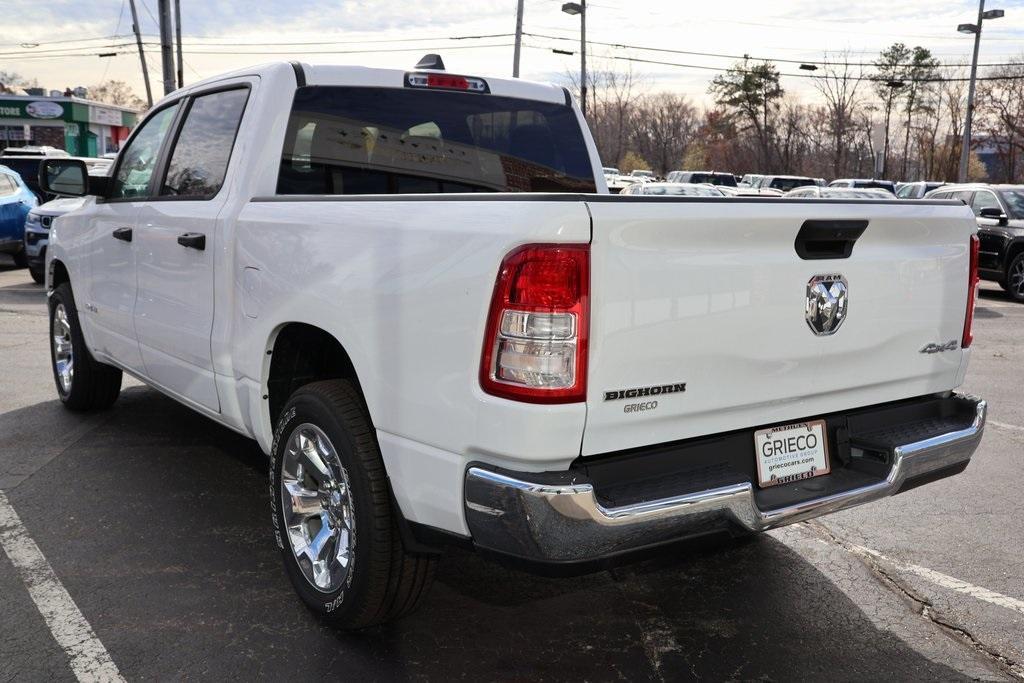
x,y
1015,278
333,518
83,383
21,259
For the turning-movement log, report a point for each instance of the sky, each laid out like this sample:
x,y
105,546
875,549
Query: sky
x,y
43,39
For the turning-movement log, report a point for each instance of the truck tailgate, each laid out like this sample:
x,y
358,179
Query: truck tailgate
x,y
712,294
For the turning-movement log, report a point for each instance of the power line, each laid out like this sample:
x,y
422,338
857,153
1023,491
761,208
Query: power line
x,y
751,57
704,67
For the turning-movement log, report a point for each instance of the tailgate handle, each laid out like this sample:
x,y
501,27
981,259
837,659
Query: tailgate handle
x,y
827,239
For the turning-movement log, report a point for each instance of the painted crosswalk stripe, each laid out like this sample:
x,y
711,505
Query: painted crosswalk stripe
x,y
89,660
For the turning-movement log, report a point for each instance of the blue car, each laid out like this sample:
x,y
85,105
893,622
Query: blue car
x,y
16,200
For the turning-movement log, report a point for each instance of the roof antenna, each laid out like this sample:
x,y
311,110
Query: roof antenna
x,y
431,61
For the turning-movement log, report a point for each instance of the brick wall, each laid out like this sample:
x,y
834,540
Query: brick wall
x,y
48,135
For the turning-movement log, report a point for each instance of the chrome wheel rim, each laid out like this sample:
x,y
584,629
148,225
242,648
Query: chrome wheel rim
x,y
1017,278
319,516
63,352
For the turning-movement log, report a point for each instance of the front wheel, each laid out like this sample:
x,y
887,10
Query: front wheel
x,y
1015,278
333,518
83,383
38,274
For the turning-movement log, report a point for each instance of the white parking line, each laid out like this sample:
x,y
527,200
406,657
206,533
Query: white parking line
x,y
943,580
1004,425
89,660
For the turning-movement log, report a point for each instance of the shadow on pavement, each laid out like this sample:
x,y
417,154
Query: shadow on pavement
x,y
157,521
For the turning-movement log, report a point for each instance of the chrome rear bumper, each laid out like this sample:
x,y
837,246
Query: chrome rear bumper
x,y
558,517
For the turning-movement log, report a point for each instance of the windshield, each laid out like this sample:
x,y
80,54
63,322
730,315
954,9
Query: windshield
x,y
787,184
1015,201
714,179
353,140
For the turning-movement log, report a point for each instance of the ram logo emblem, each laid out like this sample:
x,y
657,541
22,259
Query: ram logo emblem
x,y
827,301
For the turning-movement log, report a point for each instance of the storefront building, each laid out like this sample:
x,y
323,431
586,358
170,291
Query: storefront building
x,y
82,127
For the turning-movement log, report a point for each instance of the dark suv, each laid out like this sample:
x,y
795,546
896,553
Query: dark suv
x,y
1000,214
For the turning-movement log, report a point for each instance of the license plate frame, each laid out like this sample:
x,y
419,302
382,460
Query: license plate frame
x,y
782,460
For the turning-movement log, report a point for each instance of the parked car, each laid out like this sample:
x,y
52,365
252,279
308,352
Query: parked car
x,y
643,174
556,379
621,182
839,193
673,189
916,190
37,231
33,151
999,211
702,177
865,183
16,200
785,183
610,172
750,180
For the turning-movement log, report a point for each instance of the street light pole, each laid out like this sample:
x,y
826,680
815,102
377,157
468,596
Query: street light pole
x,y
965,148
580,8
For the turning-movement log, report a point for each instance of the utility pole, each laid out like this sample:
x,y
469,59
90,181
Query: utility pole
x,y
965,148
142,55
166,48
177,31
583,55
519,40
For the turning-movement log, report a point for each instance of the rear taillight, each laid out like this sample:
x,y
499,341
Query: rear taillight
x,y
535,346
972,294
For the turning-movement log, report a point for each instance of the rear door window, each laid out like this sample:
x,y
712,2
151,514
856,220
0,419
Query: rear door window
x,y
355,140
203,148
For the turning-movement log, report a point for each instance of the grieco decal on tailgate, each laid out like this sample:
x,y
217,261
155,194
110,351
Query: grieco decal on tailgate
x,y
645,391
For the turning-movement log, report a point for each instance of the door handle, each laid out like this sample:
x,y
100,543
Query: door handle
x,y
123,234
193,240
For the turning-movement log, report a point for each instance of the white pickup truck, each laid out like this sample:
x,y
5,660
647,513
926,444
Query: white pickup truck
x,y
413,290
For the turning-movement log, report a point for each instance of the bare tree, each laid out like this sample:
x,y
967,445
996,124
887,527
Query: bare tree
x,y
1001,105
116,92
612,96
663,128
838,85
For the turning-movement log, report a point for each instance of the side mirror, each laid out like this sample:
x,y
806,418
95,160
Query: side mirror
x,y
64,177
994,213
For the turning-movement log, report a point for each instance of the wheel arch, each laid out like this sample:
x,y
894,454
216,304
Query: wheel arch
x,y
1013,248
301,353
58,273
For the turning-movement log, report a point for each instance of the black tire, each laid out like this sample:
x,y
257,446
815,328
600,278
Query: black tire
x,y
20,259
1014,284
93,385
383,581
38,274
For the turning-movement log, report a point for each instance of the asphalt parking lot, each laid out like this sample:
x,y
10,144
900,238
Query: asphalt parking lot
x,y
156,523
